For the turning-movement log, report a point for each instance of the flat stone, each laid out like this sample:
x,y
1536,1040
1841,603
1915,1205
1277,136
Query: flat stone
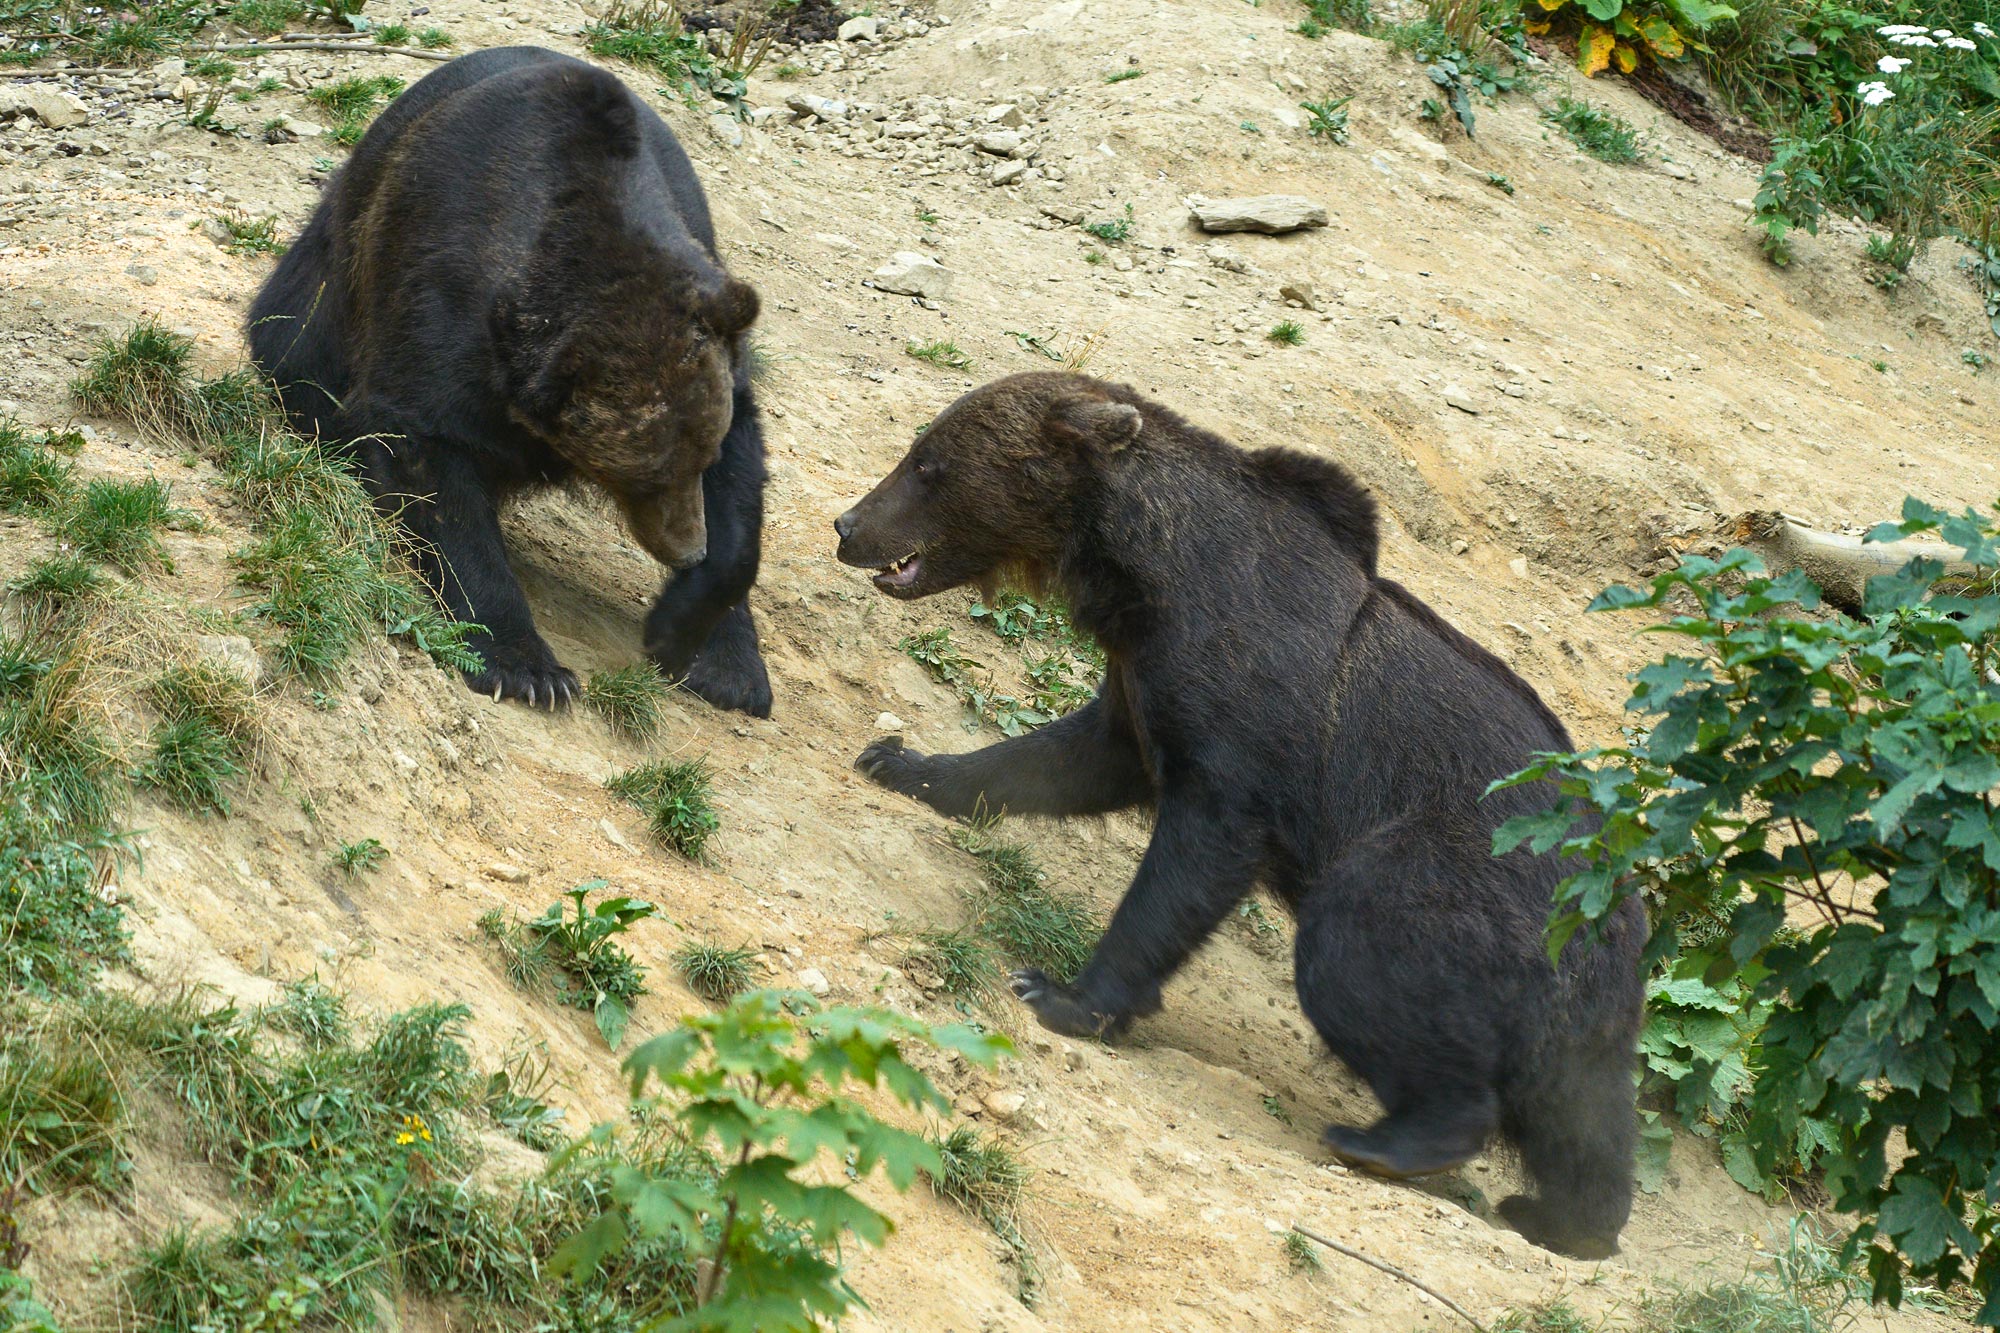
x,y
1457,397
507,873
55,109
1300,292
1226,259
232,653
725,129
811,104
888,722
1004,1105
1006,115
1272,214
863,29
814,980
1006,173
910,274
1000,143
304,129
1063,213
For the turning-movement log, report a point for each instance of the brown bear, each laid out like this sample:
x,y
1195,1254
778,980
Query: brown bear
x,y
1295,720
513,282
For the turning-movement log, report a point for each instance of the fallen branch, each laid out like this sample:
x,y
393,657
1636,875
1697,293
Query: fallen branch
x,y
1392,1271
1840,566
280,47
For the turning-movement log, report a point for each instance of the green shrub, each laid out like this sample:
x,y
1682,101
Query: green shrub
x,y
1605,135
676,800
713,972
1843,768
600,977
764,1082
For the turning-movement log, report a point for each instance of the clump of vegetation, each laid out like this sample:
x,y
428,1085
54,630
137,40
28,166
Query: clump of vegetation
x,y
118,522
1806,806
944,355
1461,57
51,729
1605,135
207,718
651,34
1112,231
360,857
434,39
1301,1253
764,1081
1120,76
515,1098
961,961
632,699
713,972
677,800
1286,333
352,103
313,1012
34,479
250,236
1034,923
574,951
1055,682
61,1111
1322,16
1327,118
984,1176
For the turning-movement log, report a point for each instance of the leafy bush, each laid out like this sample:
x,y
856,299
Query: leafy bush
x,y
1621,32
1604,135
1461,62
602,979
763,1082
677,800
1842,771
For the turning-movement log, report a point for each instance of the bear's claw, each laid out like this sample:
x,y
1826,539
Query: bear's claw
x,y
1057,1007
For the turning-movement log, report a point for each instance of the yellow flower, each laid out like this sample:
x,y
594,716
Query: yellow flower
x,y
414,1128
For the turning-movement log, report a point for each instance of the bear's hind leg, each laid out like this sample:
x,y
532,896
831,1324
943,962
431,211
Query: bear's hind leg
x,y
1577,1130
1443,1129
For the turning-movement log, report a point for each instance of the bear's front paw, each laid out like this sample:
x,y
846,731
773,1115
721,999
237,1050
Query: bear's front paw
x,y
1059,1008
536,679
890,764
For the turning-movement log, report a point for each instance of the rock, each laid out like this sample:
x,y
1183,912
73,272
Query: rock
x,y
1000,143
167,73
725,129
1226,259
1006,173
905,129
1006,115
615,838
1272,214
1676,170
146,274
216,230
507,873
232,653
814,980
1004,1106
863,29
1457,397
888,722
910,274
1300,292
1460,546
809,104
55,109
1063,213
304,129
1518,566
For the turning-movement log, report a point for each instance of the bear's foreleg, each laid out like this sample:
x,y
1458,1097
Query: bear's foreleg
x,y
1196,870
437,495
1087,763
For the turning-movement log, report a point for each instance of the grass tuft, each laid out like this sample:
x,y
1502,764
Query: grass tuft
x,y
313,1012
632,699
716,974
1286,333
355,859
944,355
676,800
118,522
33,479
352,103
208,715
1604,135
985,1177
1032,922
962,961
1301,1253
60,1110
250,236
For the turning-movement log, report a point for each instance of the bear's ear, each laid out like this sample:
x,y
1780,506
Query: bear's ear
x,y
1098,423
731,309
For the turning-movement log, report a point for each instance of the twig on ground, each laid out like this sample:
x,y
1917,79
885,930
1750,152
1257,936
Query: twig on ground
x,y
1392,1271
279,47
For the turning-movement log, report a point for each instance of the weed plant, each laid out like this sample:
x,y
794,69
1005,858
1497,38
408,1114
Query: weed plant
x,y
716,974
677,800
1605,135
1032,922
631,699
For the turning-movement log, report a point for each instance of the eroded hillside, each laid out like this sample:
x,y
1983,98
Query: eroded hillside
x,y
1547,386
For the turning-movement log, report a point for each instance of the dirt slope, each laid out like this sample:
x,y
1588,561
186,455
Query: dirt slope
x,y
1636,370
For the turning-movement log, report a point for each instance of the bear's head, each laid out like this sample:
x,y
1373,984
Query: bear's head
x,y
990,488
631,380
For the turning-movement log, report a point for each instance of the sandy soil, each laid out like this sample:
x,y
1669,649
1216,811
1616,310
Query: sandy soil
x,y
1637,372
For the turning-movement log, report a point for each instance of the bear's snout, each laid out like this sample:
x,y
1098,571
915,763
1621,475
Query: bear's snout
x,y
843,527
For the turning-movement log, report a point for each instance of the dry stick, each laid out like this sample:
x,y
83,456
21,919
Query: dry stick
x,y
1392,1271
279,48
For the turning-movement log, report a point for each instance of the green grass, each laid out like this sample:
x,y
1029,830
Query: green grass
x,y
676,799
716,974
962,961
944,355
649,34
208,716
267,17
355,859
60,1113
314,1013
632,699
352,103
118,522
63,772
434,39
251,236
33,478
1122,75
1286,333
1327,119
392,34
1301,1253
524,956
1604,135
986,1178
1032,922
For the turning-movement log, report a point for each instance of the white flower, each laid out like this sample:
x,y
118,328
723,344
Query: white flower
x,y
1961,43
1913,39
1900,29
1893,64
1874,94
1982,30
1940,32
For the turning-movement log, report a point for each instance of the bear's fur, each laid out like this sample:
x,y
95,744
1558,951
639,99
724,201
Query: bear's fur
x,y
1293,719
514,281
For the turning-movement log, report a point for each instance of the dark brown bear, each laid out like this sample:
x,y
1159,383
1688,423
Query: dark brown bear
x,y
513,281
1297,721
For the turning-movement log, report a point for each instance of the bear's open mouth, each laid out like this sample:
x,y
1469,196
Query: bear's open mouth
x,y
900,574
